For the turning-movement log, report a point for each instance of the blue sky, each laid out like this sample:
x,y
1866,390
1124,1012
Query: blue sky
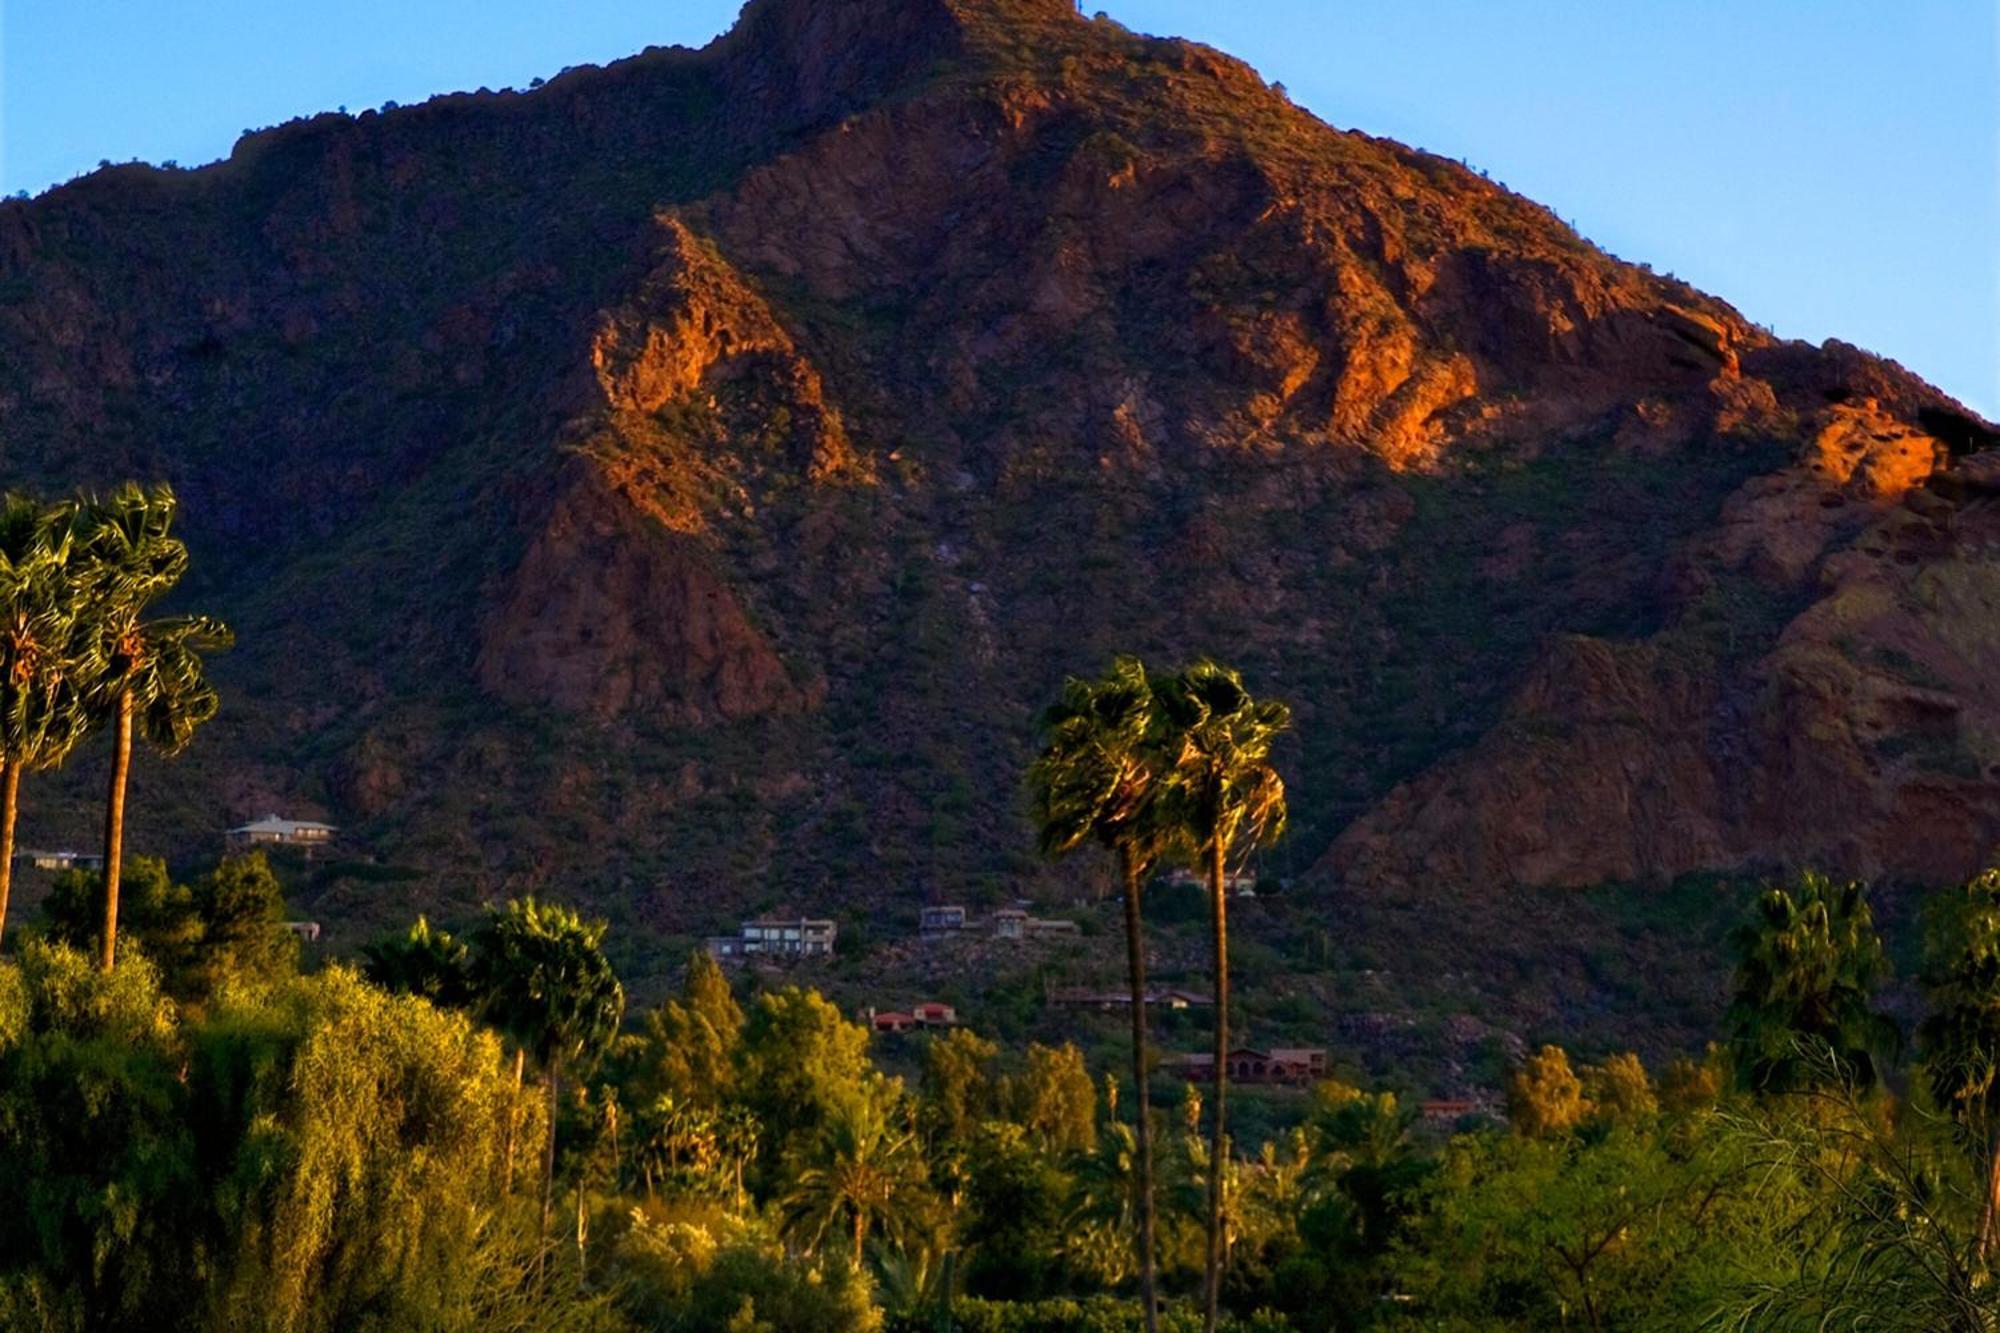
x,y
1832,167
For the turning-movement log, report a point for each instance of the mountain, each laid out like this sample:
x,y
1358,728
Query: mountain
x,y
678,486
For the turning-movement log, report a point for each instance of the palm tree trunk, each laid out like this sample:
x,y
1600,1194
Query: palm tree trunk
x,y
1988,1242
1135,959
549,1166
10,804
513,1115
1218,1144
114,827
860,1236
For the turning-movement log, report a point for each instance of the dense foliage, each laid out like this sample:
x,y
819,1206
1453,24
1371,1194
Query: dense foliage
x,y
195,1134
218,1141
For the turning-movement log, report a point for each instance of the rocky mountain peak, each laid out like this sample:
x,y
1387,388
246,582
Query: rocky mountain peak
x,y
685,481
821,59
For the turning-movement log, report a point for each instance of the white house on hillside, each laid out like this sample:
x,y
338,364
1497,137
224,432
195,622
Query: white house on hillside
x,y
277,831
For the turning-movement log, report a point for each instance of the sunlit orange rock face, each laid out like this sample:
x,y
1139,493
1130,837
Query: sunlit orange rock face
x,y
683,482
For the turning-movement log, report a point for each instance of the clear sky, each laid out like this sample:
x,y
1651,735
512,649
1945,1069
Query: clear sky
x,y
1832,167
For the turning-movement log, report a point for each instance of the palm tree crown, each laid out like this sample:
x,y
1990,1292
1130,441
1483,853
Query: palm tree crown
x,y
1805,985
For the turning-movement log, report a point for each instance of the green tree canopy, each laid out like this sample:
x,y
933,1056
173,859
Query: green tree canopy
x,y
688,1049
800,1064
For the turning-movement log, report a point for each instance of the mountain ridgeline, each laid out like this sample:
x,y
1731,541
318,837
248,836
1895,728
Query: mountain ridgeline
x,y
679,484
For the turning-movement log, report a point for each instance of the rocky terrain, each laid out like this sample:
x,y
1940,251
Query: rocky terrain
x,y
677,487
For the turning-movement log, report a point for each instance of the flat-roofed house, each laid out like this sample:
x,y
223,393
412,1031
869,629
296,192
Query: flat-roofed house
x,y
942,918
935,1014
38,859
775,937
277,831
1080,997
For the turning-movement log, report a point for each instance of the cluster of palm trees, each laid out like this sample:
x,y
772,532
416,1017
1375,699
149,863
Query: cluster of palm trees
x,y
681,1141
78,652
1165,769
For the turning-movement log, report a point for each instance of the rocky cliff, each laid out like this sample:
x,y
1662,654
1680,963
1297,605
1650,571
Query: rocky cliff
x,y
679,485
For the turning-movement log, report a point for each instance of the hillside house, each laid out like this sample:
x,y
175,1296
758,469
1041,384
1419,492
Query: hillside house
x,y
1447,1110
1236,883
772,937
1014,923
305,932
942,919
35,859
1281,1066
1080,997
929,1014
277,831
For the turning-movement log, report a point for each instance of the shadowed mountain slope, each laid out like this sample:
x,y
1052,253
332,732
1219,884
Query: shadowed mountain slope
x,y
678,486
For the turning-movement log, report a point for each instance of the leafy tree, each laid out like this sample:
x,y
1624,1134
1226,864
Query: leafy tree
x,y
1222,795
241,908
1054,1099
100,1178
799,1066
225,927
423,961
957,1088
1015,1201
544,980
1959,1038
1688,1085
694,1270
1096,781
689,1047
1629,1229
1620,1091
159,914
1810,962
1545,1098
357,1138
146,675
1888,1245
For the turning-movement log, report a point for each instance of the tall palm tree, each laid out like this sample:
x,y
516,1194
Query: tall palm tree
x,y
544,980
865,1174
148,674
1222,795
1096,781
156,685
1803,1011
42,712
